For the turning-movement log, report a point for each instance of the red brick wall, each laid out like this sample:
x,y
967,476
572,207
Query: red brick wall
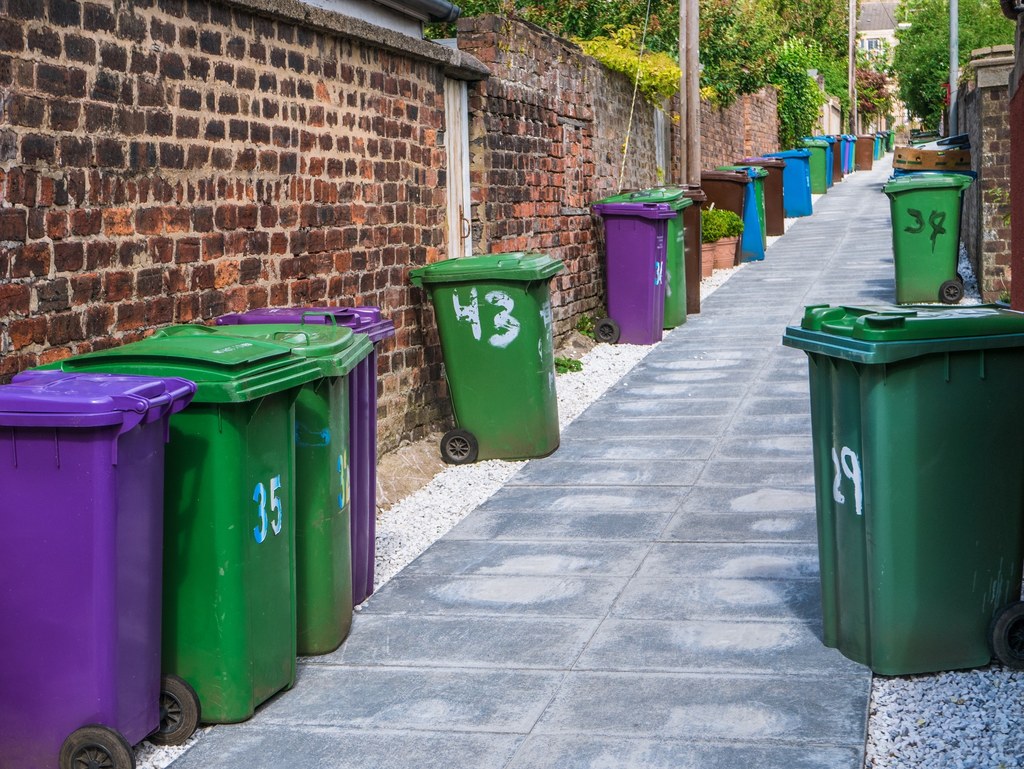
x,y
167,162
748,127
547,130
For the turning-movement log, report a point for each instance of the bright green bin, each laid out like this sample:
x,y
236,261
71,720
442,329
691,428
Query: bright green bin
x,y
675,245
914,416
323,557
819,167
229,511
925,211
494,321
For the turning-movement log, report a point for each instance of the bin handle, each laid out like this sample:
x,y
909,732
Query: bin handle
x,y
286,334
319,314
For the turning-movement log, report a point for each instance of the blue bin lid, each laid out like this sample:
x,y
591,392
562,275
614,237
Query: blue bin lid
x,y
65,399
802,153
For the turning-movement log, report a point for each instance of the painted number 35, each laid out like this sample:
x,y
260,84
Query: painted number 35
x,y
265,502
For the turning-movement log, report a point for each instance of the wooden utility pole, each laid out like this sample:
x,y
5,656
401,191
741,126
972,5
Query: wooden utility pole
x,y
851,67
954,64
689,92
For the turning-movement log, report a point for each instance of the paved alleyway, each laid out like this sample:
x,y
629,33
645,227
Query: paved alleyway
x,y
646,598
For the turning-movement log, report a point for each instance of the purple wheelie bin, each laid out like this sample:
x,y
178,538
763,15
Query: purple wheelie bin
x,y
636,240
362,421
81,473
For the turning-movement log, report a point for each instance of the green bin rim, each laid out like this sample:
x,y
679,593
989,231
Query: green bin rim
x,y
760,172
226,368
517,266
929,181
884,334
813,143
675,197
335,349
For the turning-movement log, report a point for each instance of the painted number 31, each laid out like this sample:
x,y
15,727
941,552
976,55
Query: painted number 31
x,y
847,465
260,497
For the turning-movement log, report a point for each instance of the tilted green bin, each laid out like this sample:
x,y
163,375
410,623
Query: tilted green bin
x,y
675,246
229,511
926,235
819,166
494,321
915,413
323,554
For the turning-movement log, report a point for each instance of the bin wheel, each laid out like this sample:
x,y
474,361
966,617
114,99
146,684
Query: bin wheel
x,y
96,747
459,447
179,712
951,292
607,330
1007,635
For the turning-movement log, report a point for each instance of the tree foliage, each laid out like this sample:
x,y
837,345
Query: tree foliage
x,y
738,43
657,73
921,60
800,99
824,21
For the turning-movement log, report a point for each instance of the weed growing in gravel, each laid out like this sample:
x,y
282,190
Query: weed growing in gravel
x,y
585,325
565,365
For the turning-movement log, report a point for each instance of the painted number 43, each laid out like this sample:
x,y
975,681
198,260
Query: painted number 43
x,y
847,467
265,502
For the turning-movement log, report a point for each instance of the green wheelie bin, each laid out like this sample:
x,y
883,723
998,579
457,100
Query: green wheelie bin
x,y
494,321
926,235
918,491
323,553
229,511
819,168
675,245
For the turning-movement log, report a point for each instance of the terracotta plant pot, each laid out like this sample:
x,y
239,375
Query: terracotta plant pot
x,y
725,253
707,259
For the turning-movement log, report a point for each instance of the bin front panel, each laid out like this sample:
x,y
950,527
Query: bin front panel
x,y
818,165
864,154
925,241
496,339
796,182
675,271
322,534
229,585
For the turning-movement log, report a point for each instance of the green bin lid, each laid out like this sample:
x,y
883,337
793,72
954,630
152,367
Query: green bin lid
x,y
813,143
929,181
226,367
754,172
335,349
888,333
519,266
676,197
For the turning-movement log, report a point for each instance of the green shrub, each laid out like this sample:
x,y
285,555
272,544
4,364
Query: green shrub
x,y
717,223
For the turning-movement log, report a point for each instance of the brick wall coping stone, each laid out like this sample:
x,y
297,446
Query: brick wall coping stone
x,y
455,63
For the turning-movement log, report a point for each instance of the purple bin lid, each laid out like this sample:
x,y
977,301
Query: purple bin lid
x,y
364,320
65,399
636,210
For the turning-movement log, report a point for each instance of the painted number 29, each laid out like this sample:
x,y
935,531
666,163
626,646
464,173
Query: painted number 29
x,y
847,465
259,496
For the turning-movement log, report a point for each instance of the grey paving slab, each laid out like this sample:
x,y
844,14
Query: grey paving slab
x,y
772,424
741,527
689,597
773,405
626,406
593,526
779,709
771,447
608,472
749,499
732,560
462,642
598,752
255,746
664,448
496,558
774,472
455,700
712,646
570,499
593,428
519,595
